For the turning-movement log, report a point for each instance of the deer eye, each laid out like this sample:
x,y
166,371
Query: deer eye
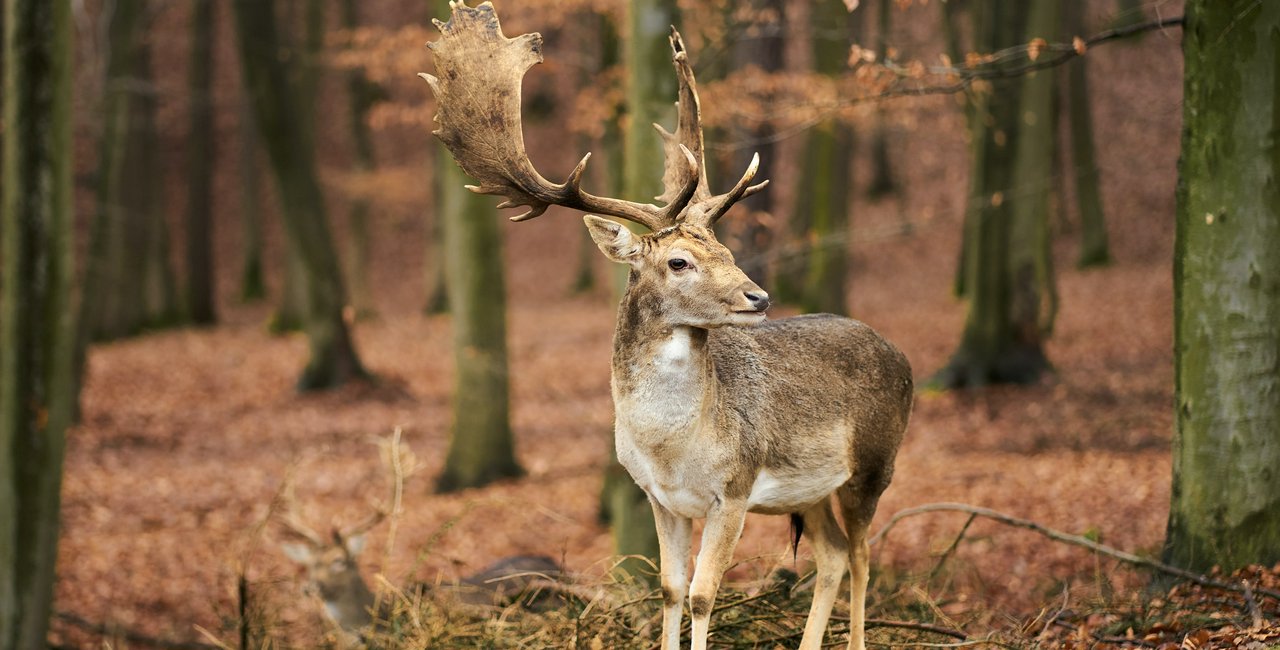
x,y
677,264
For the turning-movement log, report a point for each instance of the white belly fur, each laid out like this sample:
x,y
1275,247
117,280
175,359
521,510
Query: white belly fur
x,y
795,491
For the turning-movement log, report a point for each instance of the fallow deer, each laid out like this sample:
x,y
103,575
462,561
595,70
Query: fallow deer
x,y
717,413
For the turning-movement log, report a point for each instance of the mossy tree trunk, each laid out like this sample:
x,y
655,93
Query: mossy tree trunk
x,y
362,95
481,446
1032,298
650,91
993,348
200,165
290,314
333,359
1094,248
252,284
764,48
1225,507
822,200
128,282
882,180
37,385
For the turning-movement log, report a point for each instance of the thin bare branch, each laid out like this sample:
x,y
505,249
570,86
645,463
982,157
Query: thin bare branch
x,y
1066,538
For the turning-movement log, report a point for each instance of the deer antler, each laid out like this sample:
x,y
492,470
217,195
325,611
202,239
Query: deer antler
x,y
477,87
704,209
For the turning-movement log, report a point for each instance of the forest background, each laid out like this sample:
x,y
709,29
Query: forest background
x,y
246,328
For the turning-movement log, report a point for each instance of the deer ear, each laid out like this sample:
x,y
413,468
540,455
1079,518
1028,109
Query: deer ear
x,y
299,553
614,239
354,545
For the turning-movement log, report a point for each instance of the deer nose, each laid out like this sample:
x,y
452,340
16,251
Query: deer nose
x,y
758,299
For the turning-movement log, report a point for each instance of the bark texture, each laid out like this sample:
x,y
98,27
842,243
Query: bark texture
x,y
37,335
1094,247
1225,507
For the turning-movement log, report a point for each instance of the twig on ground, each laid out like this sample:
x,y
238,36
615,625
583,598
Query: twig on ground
x,y
1066,538
1254,611
131,636
1115,640
955,543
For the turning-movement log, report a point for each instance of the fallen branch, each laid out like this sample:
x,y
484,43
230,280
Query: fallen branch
x,y
1067,538
130,636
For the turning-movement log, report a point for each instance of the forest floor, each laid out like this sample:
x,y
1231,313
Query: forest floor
x,y
188,435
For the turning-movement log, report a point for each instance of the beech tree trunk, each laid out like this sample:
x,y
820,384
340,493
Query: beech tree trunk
x,y
650,91
200,166
37,335
252,285
1094,248
764,48
362,94
882,180
333,359
1225,507
481,447
290,314
822,200
993,347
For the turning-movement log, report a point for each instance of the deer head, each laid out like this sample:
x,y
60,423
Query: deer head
x,y
691,276
333,575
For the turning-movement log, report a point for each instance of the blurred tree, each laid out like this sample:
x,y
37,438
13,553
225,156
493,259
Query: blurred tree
x,y
1225,506
362,94
605,54
882,181
433,264
1128,13
252,285
481,447
333,359
994,347
37,387
1033,300
817,282
200,166
128,277
1094,249
650,86
304,74
763,46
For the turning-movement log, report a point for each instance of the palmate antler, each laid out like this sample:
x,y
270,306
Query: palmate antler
x,y
477,88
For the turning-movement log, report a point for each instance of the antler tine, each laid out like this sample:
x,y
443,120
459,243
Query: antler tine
x,y
292,521
716,207
477,87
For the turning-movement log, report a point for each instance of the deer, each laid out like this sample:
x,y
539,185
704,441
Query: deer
x,y
717,411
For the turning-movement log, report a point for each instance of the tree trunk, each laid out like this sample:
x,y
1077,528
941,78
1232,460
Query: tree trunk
x,y
333,358
290,314
200,165
823,197
650,90
252,285
362,95
1094,249
37,333
1033,300
1225,507
143,166
765,51
993,349
433,264
481,448
882,181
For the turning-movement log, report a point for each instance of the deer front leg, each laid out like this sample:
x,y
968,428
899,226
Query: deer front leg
x,y
719,538
674,534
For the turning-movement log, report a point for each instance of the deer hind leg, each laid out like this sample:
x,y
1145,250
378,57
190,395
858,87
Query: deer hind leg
x,y
857,507
831,554
719,538
674,535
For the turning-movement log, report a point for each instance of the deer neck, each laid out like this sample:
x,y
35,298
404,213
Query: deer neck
x,y
663,373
